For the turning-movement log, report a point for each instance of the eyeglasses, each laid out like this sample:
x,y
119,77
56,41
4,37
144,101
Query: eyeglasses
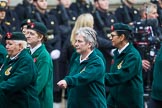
x,y
110,36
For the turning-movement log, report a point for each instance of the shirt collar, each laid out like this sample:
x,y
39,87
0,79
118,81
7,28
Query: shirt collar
x,y
12,58
81,60
120,51
32,50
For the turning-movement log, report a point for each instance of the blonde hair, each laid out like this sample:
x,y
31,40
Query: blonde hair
x,y
84,20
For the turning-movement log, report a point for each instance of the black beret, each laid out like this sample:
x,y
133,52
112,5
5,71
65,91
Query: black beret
x,y
3,5
39,27
15,36
27,21
121,27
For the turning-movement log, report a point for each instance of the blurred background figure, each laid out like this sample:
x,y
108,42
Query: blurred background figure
x,y
66,18
3,51
126,13
8,20
159,10
82,6
24,9
103,20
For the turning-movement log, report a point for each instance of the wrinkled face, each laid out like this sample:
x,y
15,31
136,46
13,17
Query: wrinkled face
x,y
81,45
33,38
12,47
65,3
2,15
102,4
42,4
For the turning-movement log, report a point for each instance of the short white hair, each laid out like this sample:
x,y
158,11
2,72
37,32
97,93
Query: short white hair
x,y
89,35
24,43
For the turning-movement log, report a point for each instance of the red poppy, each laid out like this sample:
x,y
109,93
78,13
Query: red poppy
x,y
112,28
35,59
8,34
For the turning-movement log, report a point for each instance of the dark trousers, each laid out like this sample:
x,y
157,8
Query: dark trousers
x,y
154,103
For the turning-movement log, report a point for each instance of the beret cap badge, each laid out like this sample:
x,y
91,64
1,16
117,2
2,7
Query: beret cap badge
x,y
9,35
112,28
32,25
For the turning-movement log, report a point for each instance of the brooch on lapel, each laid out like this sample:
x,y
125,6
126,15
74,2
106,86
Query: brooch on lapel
x,y
7,72
120,65
83,70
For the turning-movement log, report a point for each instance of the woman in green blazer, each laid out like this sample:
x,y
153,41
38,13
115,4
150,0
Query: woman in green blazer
x,y
36,33
18,75
85,81
125,77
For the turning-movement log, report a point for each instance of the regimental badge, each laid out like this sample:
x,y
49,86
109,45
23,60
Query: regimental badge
x,y
7,72
83,70
120,65
135,12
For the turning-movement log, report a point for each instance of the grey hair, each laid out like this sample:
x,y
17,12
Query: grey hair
x,y
89,35
24,43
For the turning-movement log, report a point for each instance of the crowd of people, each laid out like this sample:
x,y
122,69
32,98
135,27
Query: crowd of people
x,y
102,59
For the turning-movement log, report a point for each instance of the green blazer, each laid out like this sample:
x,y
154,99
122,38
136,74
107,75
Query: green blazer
x,y
85,81
157,77
17,82
3,54
125,80
44,84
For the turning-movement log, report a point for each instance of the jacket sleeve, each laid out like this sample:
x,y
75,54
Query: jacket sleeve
x,y
130,68
90,73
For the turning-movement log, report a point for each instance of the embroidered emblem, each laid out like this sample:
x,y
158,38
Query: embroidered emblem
x,y
7,72
83,70
120,65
